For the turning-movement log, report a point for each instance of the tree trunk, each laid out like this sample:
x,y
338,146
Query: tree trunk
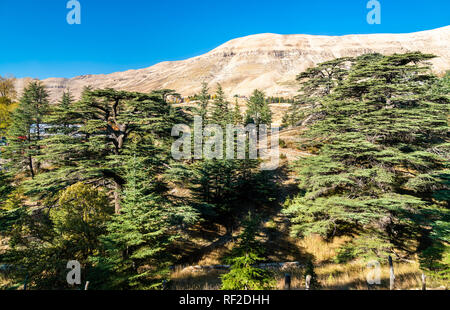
x,y
30,164
117,198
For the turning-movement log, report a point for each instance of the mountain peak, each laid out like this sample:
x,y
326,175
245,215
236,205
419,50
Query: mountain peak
x,y
266,61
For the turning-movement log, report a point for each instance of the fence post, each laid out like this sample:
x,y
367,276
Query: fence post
x,y
308,282
25,284
287,281
424,282
391,274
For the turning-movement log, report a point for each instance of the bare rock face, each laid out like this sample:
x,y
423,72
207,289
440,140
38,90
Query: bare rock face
x,y
269,62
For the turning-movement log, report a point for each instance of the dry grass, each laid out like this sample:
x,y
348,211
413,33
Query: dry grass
x,y
321,250
202,280
3,281
216,257
353,276
330,275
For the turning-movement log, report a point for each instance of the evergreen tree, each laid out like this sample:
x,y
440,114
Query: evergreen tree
x,y
316,84
204,101
247,241
139,238
379,147
92,148
5,187
62,115
237,116
244,275
220,113
219,186
258,111
27,130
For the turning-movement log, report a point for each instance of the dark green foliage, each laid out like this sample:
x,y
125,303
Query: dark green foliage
x,y
27,130
244,274
5,187
62,117
97,140
258,111
92,148
237,116
204,98
247,242
379,139
138,240
220,186
220,110
316,84
435,260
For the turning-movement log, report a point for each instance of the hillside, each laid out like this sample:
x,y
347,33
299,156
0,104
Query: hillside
x,y
265,61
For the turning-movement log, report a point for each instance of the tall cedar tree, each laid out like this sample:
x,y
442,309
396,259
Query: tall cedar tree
x,y
90,141
90,136
220,113
203,101
220,185
139,239
62,115
27,130
258,111
244,275
237,116
316,83
380,150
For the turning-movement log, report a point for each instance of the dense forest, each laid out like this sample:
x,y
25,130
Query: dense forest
x,y
94,180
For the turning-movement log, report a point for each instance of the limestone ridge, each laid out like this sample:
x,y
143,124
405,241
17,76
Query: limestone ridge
x,y
267,61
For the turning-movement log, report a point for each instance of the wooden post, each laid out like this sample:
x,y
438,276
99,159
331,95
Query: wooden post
x,y
25,283
86,286
307,282
287,281
424,282
391,274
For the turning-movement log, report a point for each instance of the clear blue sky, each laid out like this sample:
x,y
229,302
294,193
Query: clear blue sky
x,y
117,35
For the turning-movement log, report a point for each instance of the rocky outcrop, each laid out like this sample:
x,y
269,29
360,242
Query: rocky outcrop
x,y
265,61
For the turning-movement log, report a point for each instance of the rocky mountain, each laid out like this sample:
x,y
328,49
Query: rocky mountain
x,y
268,62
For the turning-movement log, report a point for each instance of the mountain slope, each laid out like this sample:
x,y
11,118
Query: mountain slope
x,y
266,61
